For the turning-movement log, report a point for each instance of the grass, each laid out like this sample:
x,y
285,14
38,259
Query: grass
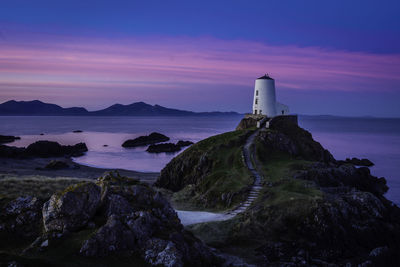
x,y
64,252
282,205
228,175
39,186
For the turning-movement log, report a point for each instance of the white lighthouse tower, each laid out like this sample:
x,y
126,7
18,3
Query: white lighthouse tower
x,y
264,102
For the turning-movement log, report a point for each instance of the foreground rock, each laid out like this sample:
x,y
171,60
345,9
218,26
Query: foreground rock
x,y
43,149
146,140
21,219
71,209
115,217
8,138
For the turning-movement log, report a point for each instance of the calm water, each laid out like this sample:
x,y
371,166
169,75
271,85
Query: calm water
x,y
376,139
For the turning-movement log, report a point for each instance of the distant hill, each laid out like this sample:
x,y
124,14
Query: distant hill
x,y
38,108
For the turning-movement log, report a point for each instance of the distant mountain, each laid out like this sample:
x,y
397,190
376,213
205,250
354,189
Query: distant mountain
x,y
38,108
140,109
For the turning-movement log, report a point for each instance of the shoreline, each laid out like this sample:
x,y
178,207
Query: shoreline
x,y
35,166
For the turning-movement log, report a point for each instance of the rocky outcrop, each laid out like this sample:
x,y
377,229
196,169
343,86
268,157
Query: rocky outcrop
x,y
43,149
21,218
247,123
8,138
286,136
357,162
125,218
330,177
165,147
71,209
153,138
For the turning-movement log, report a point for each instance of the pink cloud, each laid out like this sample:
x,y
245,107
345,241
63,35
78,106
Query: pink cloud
x,y
46,65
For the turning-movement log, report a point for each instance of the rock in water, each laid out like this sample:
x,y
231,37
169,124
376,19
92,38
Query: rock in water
x,y
43,149
8,138
54,149
360,162
71,209
153,138
11,151
184,143
166,147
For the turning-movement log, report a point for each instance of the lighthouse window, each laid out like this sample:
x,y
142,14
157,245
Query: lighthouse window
x,y
256,101
256,92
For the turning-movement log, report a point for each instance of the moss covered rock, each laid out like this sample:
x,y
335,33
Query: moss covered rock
x,y
72,208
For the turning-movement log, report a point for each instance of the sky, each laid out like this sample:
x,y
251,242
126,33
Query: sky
x,y
327,57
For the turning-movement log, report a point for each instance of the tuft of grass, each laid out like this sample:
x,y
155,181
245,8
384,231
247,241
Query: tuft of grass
x,y
39,186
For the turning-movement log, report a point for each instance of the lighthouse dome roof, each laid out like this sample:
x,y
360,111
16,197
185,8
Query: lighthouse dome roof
x,y
265,77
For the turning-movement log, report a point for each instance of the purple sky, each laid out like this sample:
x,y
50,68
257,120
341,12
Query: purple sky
x,y
95,56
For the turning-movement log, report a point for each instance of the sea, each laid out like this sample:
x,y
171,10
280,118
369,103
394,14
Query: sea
x,y
377,139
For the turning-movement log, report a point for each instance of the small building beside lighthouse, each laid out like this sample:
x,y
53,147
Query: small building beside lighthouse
x,y
264,102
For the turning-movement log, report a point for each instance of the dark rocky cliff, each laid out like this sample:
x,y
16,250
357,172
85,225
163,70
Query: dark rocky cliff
x,y
312,210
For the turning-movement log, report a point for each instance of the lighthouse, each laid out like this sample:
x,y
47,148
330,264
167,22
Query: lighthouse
x,y
264,102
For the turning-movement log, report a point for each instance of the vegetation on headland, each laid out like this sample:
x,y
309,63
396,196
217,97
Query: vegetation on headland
x,y
312,209
210,175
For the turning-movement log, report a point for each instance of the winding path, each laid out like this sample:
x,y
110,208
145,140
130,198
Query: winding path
x,y
255,189
193,217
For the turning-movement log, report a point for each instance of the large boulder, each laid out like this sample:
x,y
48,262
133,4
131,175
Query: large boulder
x,y
112,237
116,218
146,140
72,208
